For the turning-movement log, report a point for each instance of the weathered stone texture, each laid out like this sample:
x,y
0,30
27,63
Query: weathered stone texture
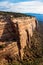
x,y
18,30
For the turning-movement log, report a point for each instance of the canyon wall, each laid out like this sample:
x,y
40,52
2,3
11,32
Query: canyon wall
x,y
15,34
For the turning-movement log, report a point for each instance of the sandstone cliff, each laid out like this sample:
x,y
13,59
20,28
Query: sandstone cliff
x,y
15,34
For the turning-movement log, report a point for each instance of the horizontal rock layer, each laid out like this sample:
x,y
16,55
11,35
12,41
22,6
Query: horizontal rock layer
x,y
18,30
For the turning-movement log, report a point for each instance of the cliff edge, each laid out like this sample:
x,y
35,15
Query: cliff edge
x,y
15,34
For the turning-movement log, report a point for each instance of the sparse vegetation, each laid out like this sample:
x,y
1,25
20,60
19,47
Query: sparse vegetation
x,y
33,55
14,14
2,46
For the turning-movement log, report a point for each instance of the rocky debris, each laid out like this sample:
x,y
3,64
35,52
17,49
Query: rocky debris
x,y
18,30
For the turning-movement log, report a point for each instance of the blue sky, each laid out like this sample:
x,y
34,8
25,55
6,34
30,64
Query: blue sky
x,y
22,6
15,1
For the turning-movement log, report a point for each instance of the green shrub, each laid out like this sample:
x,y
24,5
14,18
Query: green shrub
x,y
2,46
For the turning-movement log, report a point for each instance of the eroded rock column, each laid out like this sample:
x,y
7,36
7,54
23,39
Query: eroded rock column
x,y
23,37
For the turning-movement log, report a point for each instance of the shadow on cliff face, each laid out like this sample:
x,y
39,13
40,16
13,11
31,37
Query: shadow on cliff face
x,y
18,39
11,33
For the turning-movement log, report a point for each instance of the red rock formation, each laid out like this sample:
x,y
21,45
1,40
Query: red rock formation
x,y
18,30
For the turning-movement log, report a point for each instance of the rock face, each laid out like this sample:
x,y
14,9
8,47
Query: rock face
x,y
15,33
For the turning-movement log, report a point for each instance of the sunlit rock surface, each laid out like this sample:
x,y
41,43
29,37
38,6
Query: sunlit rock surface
x,y
15,33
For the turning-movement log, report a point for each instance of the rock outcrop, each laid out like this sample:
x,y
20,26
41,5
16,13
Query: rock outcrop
x,y
15,34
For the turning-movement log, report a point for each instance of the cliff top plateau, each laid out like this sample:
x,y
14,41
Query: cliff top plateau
x,y
20,39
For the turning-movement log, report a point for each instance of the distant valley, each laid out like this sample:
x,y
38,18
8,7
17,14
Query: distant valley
x,y
38,16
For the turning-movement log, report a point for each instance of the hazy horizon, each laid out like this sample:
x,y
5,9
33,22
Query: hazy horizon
x,y
22,6
33,7
38,16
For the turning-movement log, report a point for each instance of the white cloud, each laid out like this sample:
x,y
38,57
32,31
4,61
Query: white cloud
x,y
23,7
